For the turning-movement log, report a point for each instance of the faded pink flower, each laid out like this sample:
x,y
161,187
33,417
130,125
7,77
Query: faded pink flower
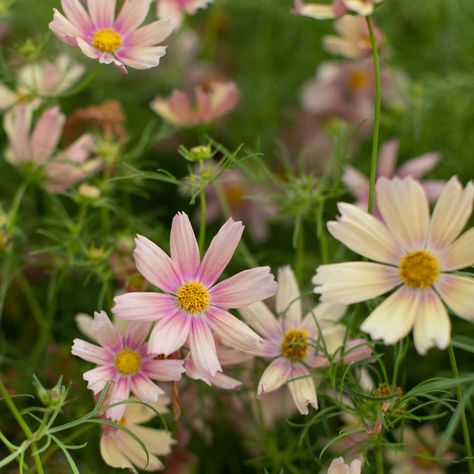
x,y
321,11
338,466
415,254
215,100
358,184
38,145
119,40
175,10
123,358
194,306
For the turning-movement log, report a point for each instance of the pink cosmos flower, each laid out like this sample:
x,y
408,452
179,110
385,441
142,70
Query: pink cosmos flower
x,y
415,255
38,145
119,40
212,102
358,184
338,466
335,9
118,449
123,358
287,340
193,306
174,10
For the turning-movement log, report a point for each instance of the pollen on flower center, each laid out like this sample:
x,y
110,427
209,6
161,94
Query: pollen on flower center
x,y
419,269
107,41
128,362
193,297
235,195
358,81
424,461
293,344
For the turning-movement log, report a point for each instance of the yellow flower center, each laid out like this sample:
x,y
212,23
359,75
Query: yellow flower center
x,y
293,344
235,195
423,461
358,81
128,362
107,41
419,269
193,297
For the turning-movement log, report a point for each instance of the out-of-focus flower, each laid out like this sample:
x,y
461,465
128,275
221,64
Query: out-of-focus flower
x,y
287,340
41,80
175,10
338,466
417,255
120,40
420,454
194,306
337,8
353,40
118,449
212,101
124,359
89,192
358,184
38,146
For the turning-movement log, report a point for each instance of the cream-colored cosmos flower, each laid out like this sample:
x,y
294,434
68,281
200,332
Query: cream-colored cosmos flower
x,y
414,253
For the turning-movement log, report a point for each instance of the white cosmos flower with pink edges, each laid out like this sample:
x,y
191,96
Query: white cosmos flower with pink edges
x,y
193,306
175,10
415,255
124,359
120,40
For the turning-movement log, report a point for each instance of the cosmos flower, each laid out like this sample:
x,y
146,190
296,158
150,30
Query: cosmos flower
x,y
336,8
338,466
193,306
215,100
118,449
37,146
415,255
122,357
120,40
175,10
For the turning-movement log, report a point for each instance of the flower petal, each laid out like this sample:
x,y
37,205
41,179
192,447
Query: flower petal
x,y
169,334
46,134
166,370
275,375
152,34
419,166
102,13
219,380
135,333
288,298
458,294
137,455
184,249
105,332
460,254
98,377
132,15
144,389
111,452
120,393
356,182
144,306
142,57
90,352
157,441
352,282
77,14
260,318
302,389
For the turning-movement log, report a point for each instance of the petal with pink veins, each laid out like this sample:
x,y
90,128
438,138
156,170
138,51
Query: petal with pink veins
x,y
105,332
46,134
144,389
98,377
184,248
169,334
144,306
151,35
203,348
102,13
135,333
165,370
120,393
132,15
90,352
142,57
78,16
260,318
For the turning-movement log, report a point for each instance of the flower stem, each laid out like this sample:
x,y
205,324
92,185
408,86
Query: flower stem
x,y
464,425
379,469
378,102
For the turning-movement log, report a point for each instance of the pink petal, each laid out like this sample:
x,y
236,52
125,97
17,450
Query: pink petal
x,y
203,348
90,352
245,288
169,333
144,306
356,182
433,188
105,332
87,49
144,389
120,393
388,158
98,377
64,29
419,166
184,249
458,293
132,15
220,252
302,389
152,34
260,318
143,57
166,370
102,13
46,134
288,298
17,122
77,15
155,265
275,375
219,380
135,334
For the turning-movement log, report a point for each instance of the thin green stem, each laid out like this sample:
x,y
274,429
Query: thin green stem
x,y
379,468
378,103
464,425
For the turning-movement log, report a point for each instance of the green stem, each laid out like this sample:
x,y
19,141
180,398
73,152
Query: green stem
x,y
378,102
379,469
464,425
30,297
23,425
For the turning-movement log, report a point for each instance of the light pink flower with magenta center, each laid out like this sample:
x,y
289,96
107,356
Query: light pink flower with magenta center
x,y
125,360
119,40
194,306
321,11
175,10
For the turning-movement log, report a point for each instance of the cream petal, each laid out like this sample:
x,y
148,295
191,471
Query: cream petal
x,y
142,57
144,389
393,319
404,208
319,12
111,452
274,376
260,318
157,441
302,389
353,282
184,248
460,254
203,348
288,298
137,456
458,293
325,314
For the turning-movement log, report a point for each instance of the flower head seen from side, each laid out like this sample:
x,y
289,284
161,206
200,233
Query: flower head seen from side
x,y
175,10
120,39
288,340
338,466
321,11
118,449
124,359
193,306
414,254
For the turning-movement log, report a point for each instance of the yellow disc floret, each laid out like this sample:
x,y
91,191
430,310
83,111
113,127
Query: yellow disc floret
x,y
128,362
294,344
193,297
107,41
419,269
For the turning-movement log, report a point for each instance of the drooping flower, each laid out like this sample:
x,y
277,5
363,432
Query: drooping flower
x,y
38,145
123,358
337,8
338,466
353,40
215,100
193,306
118,449
358,184
415,254
40,80
175,10
120,40
287,340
